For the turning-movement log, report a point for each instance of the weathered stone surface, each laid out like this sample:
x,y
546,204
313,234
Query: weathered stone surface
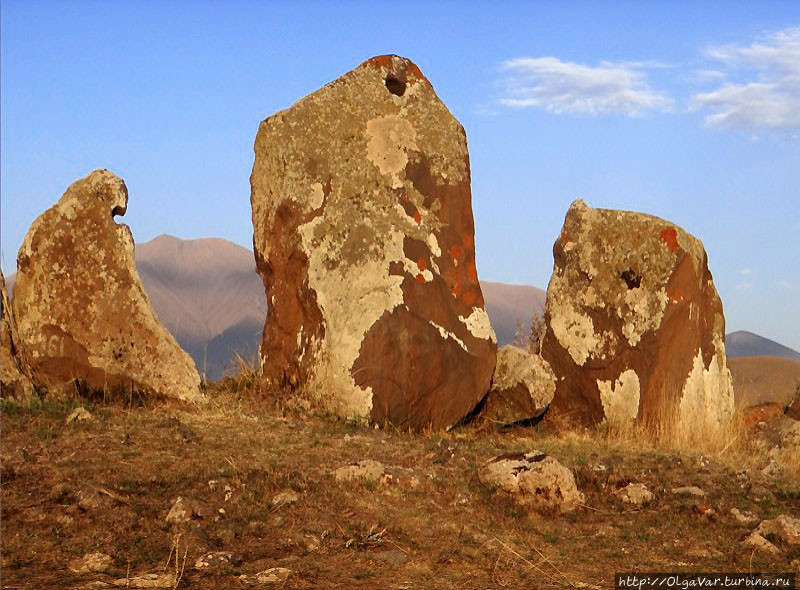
x,y
522,387
363,234
81,309
15,371
634,325
376,472
636,494
91,562
534,479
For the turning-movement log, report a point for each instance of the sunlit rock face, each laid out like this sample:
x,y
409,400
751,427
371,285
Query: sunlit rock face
x,y
522,388
364,237
634,325
81,310
15,372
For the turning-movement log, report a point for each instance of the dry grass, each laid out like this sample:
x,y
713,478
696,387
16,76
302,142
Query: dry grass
x,y
107,484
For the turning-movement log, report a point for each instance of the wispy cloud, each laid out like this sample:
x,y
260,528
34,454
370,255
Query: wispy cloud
x,y
745,272
564,87
769,95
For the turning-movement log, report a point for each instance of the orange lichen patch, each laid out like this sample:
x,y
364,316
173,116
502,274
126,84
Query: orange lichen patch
x,y
417,216
676,296
456,251
420,279
422,264
670,237
469,241
564,237
414,74
379,61
472,271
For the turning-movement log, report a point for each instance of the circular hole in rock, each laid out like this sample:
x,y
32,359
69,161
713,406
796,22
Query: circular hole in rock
x,y
395,86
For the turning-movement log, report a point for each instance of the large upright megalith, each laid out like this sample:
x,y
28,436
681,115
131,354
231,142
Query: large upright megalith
x,y
634,325
81,310
15,372
363,235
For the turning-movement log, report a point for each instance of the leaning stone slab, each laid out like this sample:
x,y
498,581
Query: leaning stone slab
x,y
15,371
634,325
81,310
364,237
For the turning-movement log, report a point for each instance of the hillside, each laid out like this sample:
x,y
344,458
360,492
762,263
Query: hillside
x,y
208,295
744,343
764,379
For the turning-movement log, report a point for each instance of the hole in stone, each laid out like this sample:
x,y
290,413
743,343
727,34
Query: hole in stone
x,y
631,278
119,210
395,86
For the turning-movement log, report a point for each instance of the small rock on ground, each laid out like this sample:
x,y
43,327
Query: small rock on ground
x,y
79,415
89,563
273,575
534,479
689,491
636,494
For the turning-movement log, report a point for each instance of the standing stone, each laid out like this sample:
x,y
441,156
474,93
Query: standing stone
x,y
15,372
363,235
634,325
81,309
522,388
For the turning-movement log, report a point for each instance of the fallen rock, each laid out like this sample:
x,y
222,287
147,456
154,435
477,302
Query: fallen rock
x,y
634,325
363,234
636,494
758,542
80,414
273,575
80,307
148,581
692,491
183,511
534,479
743,517
522,387
784,528
213,560
90,563
16,374
376,472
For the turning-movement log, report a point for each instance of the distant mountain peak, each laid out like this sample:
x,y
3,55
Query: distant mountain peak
x,y
744,343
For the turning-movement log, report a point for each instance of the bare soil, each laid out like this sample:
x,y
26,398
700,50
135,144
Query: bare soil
x,y
107,484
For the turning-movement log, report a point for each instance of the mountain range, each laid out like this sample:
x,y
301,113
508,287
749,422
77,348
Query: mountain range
x,y
207,293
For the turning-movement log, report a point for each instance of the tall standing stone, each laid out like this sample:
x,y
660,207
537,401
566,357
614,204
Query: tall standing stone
x,y
364,237
15,373
634,325
81,309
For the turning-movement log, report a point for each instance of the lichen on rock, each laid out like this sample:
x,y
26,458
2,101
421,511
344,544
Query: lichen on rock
x,y
522,388
634,325
363,235
82,312
16,375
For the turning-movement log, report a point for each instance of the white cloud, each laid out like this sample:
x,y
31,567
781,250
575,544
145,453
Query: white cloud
x,y
745,272
769,95
570,88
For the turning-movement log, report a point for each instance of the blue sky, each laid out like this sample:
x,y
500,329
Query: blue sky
x,y
686,110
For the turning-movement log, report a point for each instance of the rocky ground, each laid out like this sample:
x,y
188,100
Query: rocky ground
x,y
94,502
